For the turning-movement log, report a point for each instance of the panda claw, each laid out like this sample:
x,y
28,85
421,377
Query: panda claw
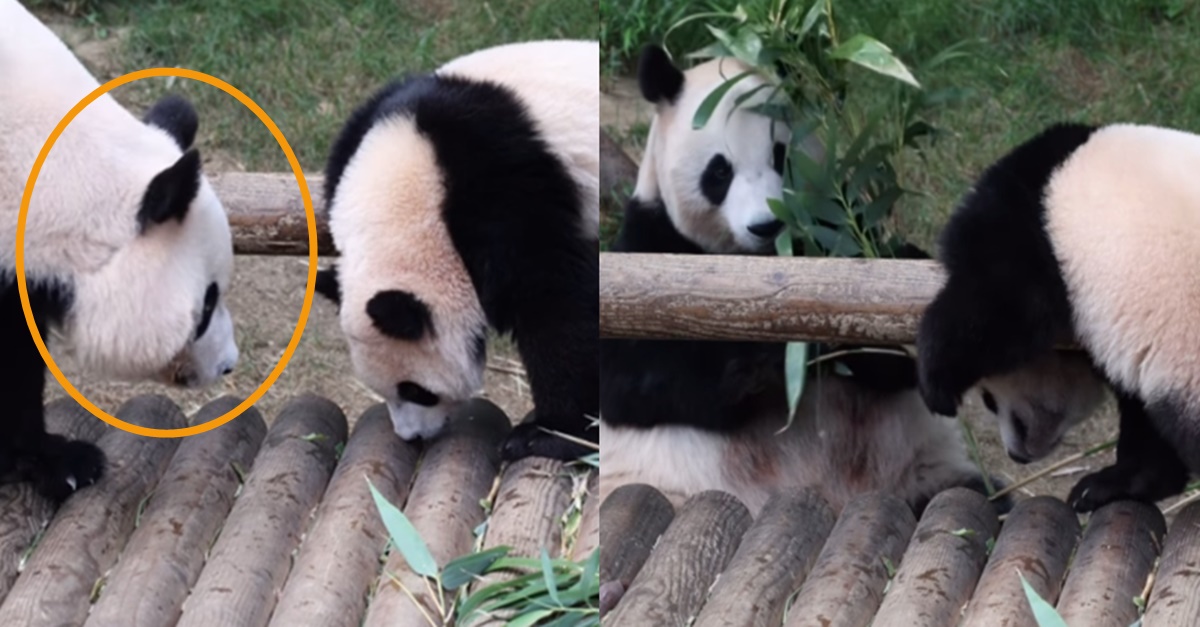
x,y
71,482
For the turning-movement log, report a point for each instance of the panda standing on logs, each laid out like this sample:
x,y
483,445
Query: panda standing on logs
x,y
688,416
127,250
1085,232
466,198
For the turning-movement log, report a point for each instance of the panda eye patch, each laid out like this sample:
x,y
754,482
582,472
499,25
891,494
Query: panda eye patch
x,y
210,305
780,155
715,181
400,315
989,401
414,393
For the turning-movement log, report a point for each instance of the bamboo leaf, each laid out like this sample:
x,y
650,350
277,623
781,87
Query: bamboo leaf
x,y
548,574
463,570
709,104
1043,612
404,536
795,365
872,54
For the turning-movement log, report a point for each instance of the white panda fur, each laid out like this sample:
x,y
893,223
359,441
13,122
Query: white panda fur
x,y
1085,232
131,290
688,416
390,185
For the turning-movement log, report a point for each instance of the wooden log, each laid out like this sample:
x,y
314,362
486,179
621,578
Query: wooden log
x,y
848,580
90,529
589,522
164,556
631,520
457,471
773,560
672,586
248,564
1175,598
1036,541
942,564
266,213
339,559
1110,566
717,297
23,512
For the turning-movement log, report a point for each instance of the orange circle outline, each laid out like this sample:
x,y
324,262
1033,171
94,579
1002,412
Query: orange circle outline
x,y
312,252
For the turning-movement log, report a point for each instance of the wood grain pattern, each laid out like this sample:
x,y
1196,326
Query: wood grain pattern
x,y
589,522
249,562
672,586
716,297
1110,566
1175,599
339,559
266,213
631,520
1036,541
456,472
848,580
164,556
943,562
774,558
92,526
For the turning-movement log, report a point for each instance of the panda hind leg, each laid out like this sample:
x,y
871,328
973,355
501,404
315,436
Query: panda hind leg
x,y
1148,468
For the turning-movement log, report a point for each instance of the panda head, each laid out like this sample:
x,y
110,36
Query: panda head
x,y
156,309
408,309
1037,404
714,181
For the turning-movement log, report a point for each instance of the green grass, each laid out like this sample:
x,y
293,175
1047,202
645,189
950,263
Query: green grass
x,y
308,63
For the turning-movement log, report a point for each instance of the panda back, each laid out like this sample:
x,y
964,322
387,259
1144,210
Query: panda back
x,y
1123,214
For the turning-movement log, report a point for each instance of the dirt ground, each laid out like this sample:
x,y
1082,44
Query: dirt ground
x,y
625,115
265,300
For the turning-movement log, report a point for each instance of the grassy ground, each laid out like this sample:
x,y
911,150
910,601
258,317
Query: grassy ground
x,y
1034,62
307,63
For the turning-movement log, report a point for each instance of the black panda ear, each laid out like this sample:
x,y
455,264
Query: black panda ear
x,y
327,285
175,115
658,78
400,314
171,192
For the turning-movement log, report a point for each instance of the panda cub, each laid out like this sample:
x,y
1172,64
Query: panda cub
x,y
1085,232
466,198
688,416
127,249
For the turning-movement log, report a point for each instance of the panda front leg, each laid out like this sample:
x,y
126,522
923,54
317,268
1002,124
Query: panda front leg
x,y
560,353
55,465
1148,469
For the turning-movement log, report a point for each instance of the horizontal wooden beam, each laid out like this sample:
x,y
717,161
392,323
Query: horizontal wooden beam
x,y
266,213
714,297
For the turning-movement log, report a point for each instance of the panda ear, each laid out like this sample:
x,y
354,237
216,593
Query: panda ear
x,y
171,192
400,314
175,115
658,78
327,285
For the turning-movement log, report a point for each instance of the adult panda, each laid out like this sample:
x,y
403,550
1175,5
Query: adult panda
x,y
127,250
1086,232
466,198
688,416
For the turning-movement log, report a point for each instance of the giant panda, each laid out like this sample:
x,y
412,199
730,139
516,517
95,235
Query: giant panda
x,y
465,198
1084,232
689,416
127,249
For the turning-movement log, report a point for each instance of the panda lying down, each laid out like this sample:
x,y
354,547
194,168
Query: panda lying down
x,y
127,251
688,416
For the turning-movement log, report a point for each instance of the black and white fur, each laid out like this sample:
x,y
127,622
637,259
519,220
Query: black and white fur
x,y
688,416
127,250
1089,233
467,198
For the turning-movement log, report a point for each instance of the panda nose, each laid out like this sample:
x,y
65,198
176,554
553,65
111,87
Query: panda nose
x,y
766,230
226,371
1020,458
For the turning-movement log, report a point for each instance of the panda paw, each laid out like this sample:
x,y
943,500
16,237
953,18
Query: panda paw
x,y
528,440
1147,483
64,466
